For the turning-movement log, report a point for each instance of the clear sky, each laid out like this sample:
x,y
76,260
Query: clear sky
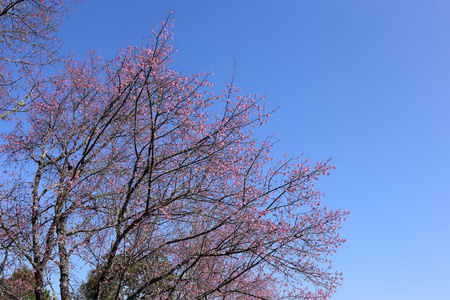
x,y
366,82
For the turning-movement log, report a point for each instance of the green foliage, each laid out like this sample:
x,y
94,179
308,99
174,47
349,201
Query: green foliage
x,y
20,285
131,276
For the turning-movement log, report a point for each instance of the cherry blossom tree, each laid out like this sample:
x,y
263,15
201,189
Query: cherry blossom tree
x,y
138,171
27,43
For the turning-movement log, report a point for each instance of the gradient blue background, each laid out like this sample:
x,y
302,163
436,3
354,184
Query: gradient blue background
x,y
364,82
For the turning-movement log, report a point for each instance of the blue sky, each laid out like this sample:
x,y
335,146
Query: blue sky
x,y
365,82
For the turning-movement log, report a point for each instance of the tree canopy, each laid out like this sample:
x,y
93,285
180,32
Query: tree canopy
x,y
159,185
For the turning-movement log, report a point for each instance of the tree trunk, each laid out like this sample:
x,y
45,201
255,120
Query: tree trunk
x,y
63,260
39,291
